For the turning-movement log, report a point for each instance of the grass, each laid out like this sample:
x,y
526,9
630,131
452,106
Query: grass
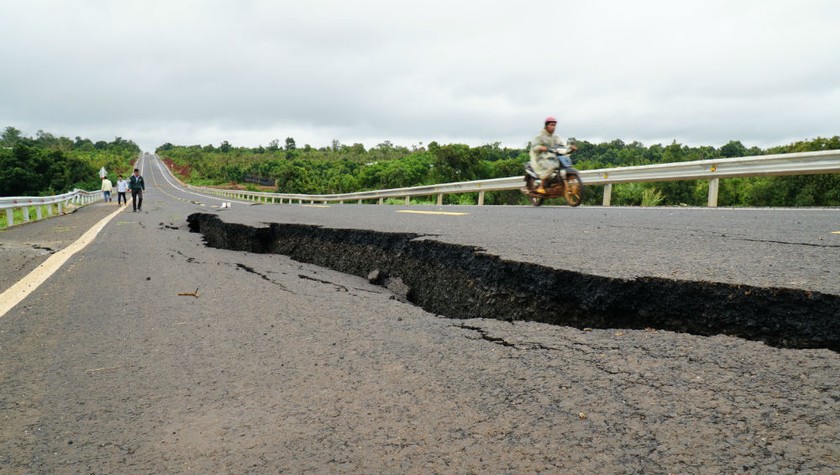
x,y
413,201
652,197
17,214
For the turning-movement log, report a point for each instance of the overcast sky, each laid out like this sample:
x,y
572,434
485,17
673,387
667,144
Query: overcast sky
x,y
704,72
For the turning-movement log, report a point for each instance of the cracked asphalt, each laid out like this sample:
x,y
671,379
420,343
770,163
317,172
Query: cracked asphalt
x,y
282,367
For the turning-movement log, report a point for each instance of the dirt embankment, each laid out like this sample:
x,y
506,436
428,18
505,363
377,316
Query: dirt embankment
x,y
181,171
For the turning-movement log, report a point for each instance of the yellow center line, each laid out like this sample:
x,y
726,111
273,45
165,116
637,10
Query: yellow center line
x,y
835,232
316,206
445,213
25,286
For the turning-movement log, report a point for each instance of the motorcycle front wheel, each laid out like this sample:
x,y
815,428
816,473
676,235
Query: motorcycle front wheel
x,y
573,190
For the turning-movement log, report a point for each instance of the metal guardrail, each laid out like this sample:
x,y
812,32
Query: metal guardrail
x,y
713,170
51,203
803,163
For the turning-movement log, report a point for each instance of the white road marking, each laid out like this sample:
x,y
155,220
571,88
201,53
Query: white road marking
x,y
14,294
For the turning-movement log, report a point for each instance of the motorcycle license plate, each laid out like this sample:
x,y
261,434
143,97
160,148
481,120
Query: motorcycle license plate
x,y
564,160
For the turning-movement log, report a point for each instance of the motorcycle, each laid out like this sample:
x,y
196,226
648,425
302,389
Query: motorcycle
x,y
565,182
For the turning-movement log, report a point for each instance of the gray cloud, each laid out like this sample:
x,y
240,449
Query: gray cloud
x,y
367,71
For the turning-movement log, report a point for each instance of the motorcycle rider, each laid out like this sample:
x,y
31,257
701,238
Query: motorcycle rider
x,y
543,161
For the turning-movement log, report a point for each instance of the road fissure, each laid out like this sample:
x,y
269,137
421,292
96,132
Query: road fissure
x,y
463,282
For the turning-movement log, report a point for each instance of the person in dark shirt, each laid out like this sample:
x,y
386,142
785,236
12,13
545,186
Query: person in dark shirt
x,y
136,185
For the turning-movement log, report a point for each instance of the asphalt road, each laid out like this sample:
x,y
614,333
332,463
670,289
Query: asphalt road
x,y
271,365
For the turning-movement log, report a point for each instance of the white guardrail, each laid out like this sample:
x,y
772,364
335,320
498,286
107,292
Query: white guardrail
x,y
56,203
804,163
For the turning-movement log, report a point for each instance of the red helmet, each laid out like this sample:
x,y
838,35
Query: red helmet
x,y
550,119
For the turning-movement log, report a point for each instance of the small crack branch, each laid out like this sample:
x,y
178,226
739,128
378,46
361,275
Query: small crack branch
x,y
501,341
265,277
788,243
341,287
485,336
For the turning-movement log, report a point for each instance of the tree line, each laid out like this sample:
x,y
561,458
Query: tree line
x,y
48,165
340,168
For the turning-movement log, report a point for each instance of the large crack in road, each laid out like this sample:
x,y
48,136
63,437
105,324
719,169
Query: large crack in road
x,y
463,282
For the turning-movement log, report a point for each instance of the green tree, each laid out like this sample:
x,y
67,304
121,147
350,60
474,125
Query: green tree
x,y
11,136
454,162
733,149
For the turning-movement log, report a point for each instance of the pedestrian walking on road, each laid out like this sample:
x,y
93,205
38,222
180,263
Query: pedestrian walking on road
x,y
107,187
137,185
122,187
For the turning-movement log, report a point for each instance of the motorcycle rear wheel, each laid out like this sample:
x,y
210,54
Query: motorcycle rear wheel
x,y
529,187
573,191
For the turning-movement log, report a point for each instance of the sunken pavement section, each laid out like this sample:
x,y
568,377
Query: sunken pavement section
x,y
462,282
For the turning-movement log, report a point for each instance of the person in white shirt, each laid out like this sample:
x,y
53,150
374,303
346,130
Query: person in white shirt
x,y
122,188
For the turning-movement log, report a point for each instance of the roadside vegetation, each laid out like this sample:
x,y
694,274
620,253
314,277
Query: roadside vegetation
x,y
47,165
343,168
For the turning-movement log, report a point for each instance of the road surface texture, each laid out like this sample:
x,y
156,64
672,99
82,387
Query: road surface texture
x,y
150,352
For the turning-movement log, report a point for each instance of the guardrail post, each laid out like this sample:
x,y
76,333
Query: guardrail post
x,y
360,202
607,194
60,207
50,210
440,199
407,200
713,192
26,214
480,198
10,217
39,215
